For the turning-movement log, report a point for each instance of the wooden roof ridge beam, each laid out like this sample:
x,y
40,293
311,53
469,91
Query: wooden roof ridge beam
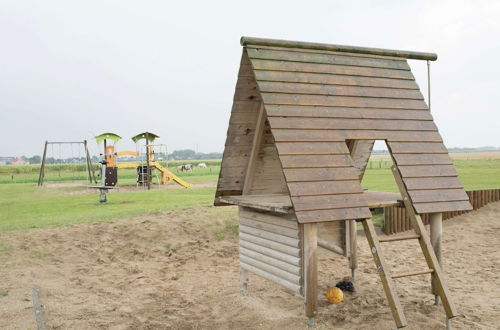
x,y
339,48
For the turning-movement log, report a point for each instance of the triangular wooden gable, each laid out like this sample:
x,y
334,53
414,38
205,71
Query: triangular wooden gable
x,y
318,103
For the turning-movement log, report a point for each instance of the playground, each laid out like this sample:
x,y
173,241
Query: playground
x,y
297,226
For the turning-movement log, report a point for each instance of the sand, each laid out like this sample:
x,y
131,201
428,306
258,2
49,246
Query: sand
x,y
179,270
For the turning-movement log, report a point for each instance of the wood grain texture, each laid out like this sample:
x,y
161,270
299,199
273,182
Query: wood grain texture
x,y
324,188
432,183
313,111
439,195
427,171
307,135
337,90
309,57
333,214
334,79
310,161
345,124
422,159
320,174
299,67
308,148
342,101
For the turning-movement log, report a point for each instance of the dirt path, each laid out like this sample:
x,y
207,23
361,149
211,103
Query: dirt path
x,y
179,270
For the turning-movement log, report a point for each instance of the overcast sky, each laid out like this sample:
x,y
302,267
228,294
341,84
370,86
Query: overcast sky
x,y
72,69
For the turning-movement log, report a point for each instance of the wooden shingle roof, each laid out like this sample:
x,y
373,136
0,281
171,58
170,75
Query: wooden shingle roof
x,y
317,97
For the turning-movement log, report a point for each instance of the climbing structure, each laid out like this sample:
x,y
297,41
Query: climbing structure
x,y
303,123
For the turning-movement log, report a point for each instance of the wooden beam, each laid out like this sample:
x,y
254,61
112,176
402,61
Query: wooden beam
x,y
257,139
353,246
436,230
383,271
330,246
310,232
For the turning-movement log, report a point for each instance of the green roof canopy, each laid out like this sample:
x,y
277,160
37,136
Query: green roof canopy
x,y
151,137
108,136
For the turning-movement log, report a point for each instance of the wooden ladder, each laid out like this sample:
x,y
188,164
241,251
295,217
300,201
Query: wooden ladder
x,y
438,281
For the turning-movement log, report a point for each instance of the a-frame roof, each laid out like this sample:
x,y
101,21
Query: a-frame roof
x,y
318,97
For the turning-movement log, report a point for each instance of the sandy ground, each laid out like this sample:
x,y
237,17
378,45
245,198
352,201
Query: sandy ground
x,y
179,270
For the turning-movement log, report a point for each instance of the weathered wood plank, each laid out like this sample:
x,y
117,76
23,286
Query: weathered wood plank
x,y
422,159
334,214
442,207
284,231
427,171
293,260
270,236
418,148
309,57
333,79
312,111
337,90
311,148
330,69
279,268
310,267
439,195
320,174
306,203
276,279
270,244
298,135
288,221
323,188
355,124
342,101
433,183
309,161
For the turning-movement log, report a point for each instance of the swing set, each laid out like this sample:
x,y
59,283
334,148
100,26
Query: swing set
x,y
88,161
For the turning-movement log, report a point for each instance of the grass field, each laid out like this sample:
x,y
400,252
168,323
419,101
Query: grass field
x,y
68,202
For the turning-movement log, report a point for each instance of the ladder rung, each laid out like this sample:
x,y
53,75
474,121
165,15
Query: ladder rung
x,y
418,272
398,238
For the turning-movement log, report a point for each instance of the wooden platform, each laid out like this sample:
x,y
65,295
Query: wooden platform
x,y
282,204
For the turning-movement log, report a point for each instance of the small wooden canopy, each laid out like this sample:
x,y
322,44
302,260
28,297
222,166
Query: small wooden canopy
x,y
317,99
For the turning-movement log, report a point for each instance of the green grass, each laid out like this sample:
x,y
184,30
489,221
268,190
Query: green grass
x,y
4,293
25,206
474,174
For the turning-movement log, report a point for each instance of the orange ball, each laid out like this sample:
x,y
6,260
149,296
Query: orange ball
x,y
334,295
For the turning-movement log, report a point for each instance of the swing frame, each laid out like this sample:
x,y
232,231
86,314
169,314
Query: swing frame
x,y
88,161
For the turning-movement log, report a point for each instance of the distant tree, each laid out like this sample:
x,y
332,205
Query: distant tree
x,y
35,159
183,154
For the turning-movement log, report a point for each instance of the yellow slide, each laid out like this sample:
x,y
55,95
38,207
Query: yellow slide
x,y
166,175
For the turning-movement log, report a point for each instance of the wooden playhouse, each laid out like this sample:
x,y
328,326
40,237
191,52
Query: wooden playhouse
x,y
304,120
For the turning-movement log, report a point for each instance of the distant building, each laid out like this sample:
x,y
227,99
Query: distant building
x,y
6,160
19,161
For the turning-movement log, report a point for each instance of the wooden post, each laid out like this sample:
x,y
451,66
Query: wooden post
x,y
310,267
436,231
42,166
147,161
353,246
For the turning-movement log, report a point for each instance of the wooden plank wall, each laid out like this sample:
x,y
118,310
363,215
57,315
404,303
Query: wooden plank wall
x,y
396,219
270,246
240,133
268,177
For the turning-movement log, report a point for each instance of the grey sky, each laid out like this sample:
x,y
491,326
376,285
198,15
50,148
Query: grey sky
x,y
72,69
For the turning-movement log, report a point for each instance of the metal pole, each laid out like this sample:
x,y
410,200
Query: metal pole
x,y
429,84
42,166
147,161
